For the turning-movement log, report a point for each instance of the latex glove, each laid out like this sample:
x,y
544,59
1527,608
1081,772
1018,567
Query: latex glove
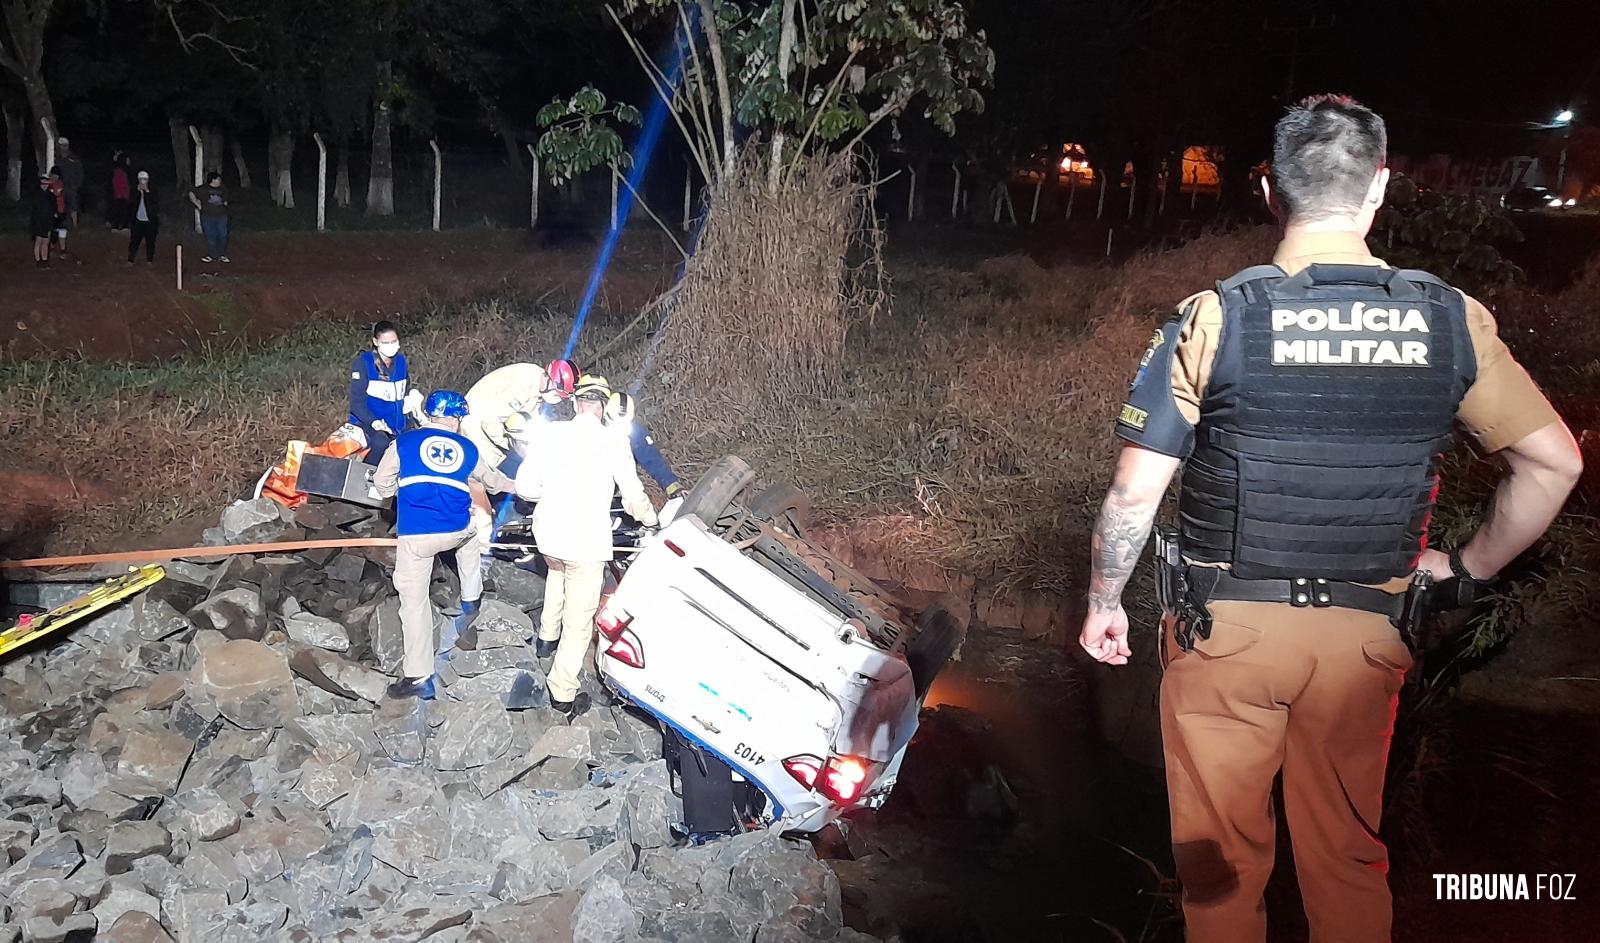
x,y
382,426
413,404
669,511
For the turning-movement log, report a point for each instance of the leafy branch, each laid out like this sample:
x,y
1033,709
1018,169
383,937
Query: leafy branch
x,y
579,134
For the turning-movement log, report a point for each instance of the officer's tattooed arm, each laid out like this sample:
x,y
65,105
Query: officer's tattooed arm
x,y
1119,538
1126,517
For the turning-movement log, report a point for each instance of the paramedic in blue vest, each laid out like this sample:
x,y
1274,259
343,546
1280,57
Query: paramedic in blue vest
x,y
1303,406
429,471
378,386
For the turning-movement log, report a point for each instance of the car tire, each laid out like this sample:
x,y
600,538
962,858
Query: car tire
x,y
941,629
784,505
716,490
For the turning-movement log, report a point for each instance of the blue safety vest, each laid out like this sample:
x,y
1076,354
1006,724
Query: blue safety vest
x,y
374,395
434,467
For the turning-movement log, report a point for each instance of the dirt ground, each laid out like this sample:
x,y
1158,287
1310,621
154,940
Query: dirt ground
x,y
93,303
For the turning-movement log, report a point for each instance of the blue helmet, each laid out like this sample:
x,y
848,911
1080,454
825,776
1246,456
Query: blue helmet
x,y
447,404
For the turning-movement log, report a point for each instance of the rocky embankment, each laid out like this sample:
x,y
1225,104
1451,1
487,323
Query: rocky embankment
x,y
214,760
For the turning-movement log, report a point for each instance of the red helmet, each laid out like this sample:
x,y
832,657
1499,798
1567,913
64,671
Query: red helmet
x,y
563,377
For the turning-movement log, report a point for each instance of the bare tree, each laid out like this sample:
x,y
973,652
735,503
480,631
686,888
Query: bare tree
x,y
22,25
13,109
380,183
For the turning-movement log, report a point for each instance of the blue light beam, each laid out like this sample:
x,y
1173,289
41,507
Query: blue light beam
x,y
649,134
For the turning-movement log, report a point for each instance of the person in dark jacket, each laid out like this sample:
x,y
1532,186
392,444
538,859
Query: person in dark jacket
x,y
378,382
144,218
42,220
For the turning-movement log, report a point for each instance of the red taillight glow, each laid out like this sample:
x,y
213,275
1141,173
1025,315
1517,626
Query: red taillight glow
x,y
843,778
625,648
611,620
804,769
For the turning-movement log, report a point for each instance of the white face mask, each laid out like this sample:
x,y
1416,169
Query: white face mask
x,y
389,350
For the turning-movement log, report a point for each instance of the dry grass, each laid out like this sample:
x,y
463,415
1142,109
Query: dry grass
x,y
765,307
154,444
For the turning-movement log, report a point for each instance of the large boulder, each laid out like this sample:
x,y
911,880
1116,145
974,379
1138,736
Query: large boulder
x,y
336,674
474,734
130,841
256,521
154,756
245,682
407,814
310,629
238,613
521,588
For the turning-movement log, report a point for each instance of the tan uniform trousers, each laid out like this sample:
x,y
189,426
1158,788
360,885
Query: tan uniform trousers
x,y
413,571
1311,692
571,596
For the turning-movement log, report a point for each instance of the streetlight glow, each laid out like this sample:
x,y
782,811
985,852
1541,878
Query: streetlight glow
x,y
1565,116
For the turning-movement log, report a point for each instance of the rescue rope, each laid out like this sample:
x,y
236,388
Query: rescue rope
x,y
178,553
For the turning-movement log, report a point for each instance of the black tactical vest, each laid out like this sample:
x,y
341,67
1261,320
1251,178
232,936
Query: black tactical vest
x,y
1332,393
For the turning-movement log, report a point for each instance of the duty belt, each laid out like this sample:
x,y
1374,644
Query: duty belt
x,y
1301,592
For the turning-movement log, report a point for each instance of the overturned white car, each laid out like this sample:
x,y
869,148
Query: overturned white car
x,y
787,684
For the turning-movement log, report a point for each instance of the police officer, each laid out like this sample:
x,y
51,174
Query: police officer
x,y
1307,401
430,469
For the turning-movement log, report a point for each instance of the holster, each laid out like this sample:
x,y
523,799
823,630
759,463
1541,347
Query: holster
x,y
1178,592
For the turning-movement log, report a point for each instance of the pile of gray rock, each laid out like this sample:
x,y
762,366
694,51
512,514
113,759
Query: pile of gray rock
x,y
215,760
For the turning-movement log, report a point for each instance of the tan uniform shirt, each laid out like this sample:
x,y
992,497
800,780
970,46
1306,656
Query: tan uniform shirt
x,y
509,389
580,464
1502,406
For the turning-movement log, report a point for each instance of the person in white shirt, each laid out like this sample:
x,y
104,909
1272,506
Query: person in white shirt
x,y
572,476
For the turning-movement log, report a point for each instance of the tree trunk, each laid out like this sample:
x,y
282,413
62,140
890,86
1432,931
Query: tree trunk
x,y
281,147
44,120
785,49
508,136
178,133
13,119
341,179
239,162
380,183
211,138
719,69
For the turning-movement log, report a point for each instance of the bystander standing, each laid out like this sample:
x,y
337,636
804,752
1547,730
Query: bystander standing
x,y
145,219
212,202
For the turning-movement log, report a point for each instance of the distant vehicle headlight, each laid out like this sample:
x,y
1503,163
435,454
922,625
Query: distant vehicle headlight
x,y
1572,201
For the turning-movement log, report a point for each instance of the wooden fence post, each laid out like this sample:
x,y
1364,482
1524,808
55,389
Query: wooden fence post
x,y
438,172
322,182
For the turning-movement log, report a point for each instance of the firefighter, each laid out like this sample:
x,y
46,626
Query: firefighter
x,y
429,471
497,399
1307,402
378,391
572,475
622,413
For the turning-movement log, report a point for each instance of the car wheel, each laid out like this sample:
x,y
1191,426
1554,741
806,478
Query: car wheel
x,y
712,495
784,505
940,631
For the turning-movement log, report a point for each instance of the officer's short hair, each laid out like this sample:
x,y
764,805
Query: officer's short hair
x,y
384,327
1325,151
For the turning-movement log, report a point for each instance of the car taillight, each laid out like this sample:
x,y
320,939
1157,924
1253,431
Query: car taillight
x,y
843,778
804,769
625,648
611,620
